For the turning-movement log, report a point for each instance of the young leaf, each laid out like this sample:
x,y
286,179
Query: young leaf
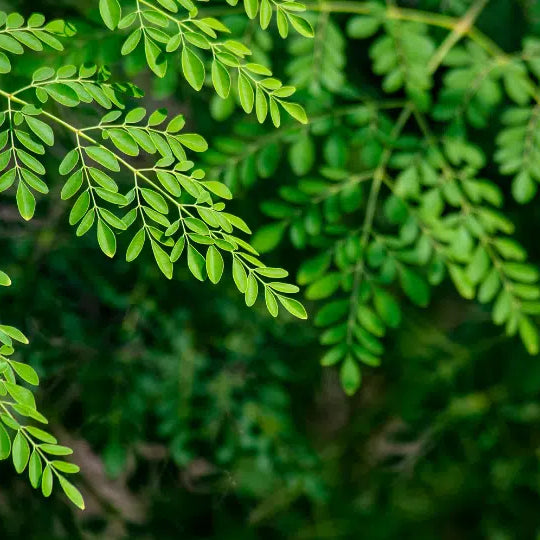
x,y
110,12
136,245
41,129
47,481
25,372
221,79
68,163
163,260
245,92
26,202
296,111
72,493
20,452
239,275
252,289
103,156
106,238
35,469
214,264
193,68
294,307
350,376
196,263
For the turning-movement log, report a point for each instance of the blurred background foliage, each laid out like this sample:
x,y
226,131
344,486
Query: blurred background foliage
x,y
192,416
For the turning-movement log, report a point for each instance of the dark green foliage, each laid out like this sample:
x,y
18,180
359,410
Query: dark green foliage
x,y
428,210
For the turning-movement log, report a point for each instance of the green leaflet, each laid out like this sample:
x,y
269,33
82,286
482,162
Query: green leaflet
x,y
110,12
214,264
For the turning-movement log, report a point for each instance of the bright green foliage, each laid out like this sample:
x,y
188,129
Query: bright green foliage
x,y
171,28
31,448
19,35
170,205
286,11
391,197
161,199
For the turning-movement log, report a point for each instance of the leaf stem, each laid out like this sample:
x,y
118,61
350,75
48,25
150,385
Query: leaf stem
x,y
378,178
408,14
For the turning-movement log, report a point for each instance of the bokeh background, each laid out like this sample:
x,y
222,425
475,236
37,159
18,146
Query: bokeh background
x,y
193,416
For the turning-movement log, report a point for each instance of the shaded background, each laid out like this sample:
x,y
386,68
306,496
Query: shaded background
x,y
193,416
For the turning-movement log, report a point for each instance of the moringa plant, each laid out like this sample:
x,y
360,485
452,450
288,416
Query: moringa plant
x,y
382,188
166,202
387,192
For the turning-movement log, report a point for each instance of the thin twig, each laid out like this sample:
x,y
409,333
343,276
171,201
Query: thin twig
x,y
462,28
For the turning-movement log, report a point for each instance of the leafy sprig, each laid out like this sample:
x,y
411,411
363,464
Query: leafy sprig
x,y
31,448
286,11
160,29
18,33
170,202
